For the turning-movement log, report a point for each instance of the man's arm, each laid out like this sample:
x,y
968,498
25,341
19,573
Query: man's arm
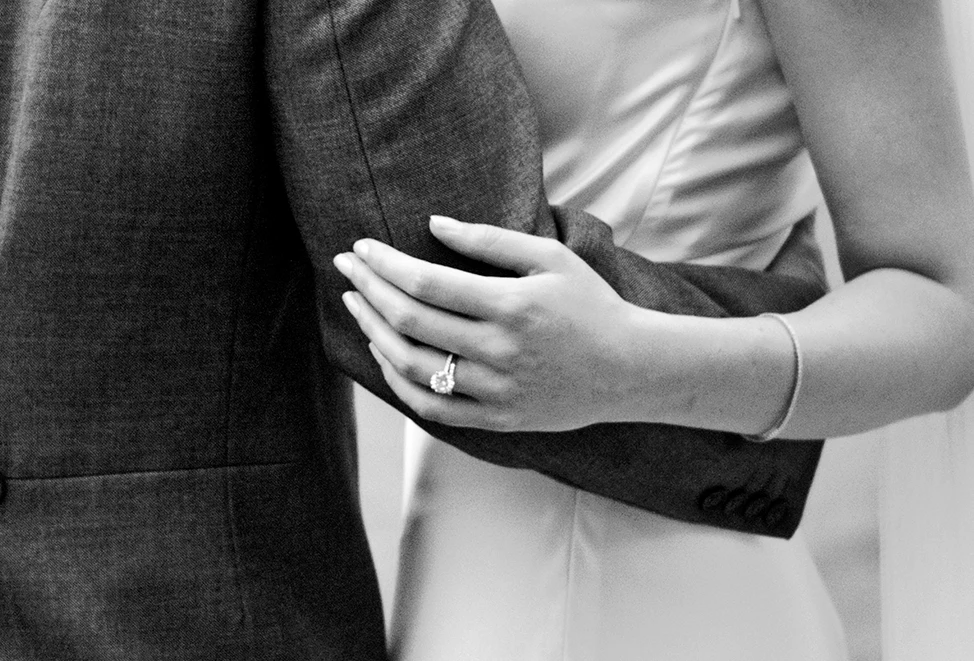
x,y
389,111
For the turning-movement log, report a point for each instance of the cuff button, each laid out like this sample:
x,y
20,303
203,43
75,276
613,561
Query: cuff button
x,y
756,506
712,499
778,512
735,501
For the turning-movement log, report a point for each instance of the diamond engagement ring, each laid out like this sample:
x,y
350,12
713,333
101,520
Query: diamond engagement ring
x,y
442,382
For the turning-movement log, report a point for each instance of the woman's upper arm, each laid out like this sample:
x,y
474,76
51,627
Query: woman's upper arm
x,y
874,93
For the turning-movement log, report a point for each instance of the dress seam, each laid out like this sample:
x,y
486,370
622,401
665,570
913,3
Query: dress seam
x,y
731,17
569,577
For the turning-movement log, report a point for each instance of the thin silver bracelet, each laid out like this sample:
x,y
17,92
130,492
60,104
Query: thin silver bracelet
x,y
776,428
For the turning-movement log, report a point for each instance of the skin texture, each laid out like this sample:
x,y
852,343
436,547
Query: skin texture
x,y
553,350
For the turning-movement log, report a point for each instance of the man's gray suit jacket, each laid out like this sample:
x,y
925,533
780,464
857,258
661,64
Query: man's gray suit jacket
x,y
177,455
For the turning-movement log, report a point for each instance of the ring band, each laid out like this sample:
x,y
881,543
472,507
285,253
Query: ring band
x,y
442,382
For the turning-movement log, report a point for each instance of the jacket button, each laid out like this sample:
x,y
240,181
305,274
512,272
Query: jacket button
x,y
735,500
776,513
712,498
756,506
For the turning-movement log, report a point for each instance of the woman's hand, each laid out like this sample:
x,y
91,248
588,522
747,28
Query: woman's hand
x,y
545,351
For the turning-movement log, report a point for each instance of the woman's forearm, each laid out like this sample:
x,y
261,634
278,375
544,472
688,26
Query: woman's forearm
x,y
888,345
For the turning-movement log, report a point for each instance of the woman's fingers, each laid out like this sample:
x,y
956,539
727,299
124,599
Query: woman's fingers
x,y
410,317
441,286
447,410
515,251
417,363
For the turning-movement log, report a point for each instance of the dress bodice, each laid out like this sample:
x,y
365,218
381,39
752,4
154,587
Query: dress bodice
x,y
669,120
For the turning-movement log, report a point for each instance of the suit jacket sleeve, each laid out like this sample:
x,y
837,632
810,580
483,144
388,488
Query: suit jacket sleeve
x,y
387,111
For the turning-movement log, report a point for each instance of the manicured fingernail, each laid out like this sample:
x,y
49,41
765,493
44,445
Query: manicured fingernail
x,y
374,350
444,223
361,248
343,264
348,298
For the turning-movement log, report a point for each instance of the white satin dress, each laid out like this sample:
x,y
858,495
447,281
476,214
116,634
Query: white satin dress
x,y
669,120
